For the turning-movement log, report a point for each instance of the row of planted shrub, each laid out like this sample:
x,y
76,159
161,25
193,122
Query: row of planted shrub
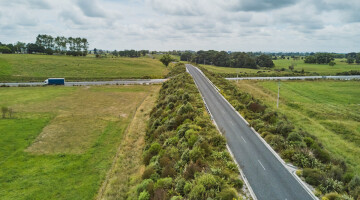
x,y
329,174
185,156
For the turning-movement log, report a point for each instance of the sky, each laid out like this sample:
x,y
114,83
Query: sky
x,y
231,25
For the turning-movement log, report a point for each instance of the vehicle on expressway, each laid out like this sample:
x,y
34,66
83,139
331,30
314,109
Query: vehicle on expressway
x,y
55,81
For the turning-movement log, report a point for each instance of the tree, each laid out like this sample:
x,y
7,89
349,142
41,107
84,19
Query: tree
x,y
19,47
5,49
350,60
166,59
264,61
332,63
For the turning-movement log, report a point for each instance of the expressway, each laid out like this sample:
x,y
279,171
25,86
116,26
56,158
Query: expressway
x,y
119,82
266,173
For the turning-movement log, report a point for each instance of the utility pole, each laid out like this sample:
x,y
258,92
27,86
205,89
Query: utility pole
x,y
278,97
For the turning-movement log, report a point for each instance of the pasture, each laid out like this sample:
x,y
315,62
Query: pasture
x,y
60,142
27,67
282,68
321,69
329,110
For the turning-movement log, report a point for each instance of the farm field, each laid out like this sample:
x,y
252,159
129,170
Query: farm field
x,y
61,142
27,67
329,110
322,69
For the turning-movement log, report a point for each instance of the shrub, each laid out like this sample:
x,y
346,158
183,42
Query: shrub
x,y
191,169
284,128
227,194
148,172
180,184
197,192
256,107
144,196
331,185
145,185
332,196
195,154
168,171
294,137
208,181
313,176
165,183
187,188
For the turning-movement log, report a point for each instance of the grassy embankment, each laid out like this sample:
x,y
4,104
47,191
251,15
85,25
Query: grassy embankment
x,y
25,67
309,69
330,110
185,156
329,160
61,141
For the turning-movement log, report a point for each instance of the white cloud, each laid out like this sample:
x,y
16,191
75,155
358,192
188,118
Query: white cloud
x,y
237,25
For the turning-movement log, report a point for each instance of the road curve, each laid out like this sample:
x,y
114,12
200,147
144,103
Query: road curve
x,y
266,175
297,78
120,82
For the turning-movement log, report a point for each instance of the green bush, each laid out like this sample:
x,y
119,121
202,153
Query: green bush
x,y
165,183
208,181
313,176
294,137
145,185
144,196
227,194
197,192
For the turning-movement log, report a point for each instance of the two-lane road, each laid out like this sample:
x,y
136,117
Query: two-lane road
x,y
267,176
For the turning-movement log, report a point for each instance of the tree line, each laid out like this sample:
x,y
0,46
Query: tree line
x,y
228,59
128,53
48,44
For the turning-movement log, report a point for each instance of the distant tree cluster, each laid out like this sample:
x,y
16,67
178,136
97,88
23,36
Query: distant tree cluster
x,y
353,57
129,53
49,45
320,58
229,59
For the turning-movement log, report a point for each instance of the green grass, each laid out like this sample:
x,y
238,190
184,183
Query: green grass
x,y
25,67
232,70
322,69
329,110
70,161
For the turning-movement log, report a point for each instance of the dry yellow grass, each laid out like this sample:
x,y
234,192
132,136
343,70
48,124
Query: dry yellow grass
x,y
127,167
82,116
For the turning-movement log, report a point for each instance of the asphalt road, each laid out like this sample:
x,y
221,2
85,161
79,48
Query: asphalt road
x,y
267,176
120,82
297,78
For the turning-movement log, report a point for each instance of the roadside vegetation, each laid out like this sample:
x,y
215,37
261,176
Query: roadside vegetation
x,y
184,155
60,142
329,172
25,67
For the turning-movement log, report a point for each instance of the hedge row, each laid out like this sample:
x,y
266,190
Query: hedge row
x,y
329,174
184,155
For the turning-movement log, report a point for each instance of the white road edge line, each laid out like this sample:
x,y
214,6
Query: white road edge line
x,y
228,148
243,139
297,178
261,165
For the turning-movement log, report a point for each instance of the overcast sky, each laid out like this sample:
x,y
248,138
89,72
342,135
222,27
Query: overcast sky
x,y
236,25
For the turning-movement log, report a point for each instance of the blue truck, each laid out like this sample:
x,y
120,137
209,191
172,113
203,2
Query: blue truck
x,y
55,81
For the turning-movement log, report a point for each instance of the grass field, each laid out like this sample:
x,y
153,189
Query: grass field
x,y
322,69
341,66
25,67
330,110
61,141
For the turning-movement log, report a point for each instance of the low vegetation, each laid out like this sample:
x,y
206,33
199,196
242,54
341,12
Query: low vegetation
x,y
61,141
25,67
326,171
185,156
